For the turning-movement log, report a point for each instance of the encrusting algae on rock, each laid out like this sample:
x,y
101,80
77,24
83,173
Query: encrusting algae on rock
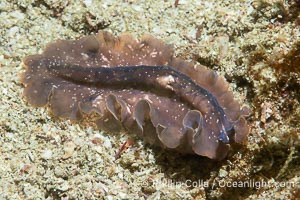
x,y
137,85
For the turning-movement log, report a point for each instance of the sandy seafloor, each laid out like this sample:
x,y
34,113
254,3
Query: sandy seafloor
x,y
255,44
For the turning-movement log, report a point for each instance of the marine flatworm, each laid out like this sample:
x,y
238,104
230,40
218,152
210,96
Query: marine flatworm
x,y
137,85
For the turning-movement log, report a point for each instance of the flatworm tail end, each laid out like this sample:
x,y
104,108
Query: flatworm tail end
x,y
219,87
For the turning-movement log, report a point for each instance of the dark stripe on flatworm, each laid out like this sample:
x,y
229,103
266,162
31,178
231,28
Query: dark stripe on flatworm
x,y
157,78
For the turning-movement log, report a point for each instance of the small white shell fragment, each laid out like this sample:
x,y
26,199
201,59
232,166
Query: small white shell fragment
x,y
47,154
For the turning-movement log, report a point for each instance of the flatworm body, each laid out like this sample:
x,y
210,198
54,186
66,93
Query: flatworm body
x,y
137,85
